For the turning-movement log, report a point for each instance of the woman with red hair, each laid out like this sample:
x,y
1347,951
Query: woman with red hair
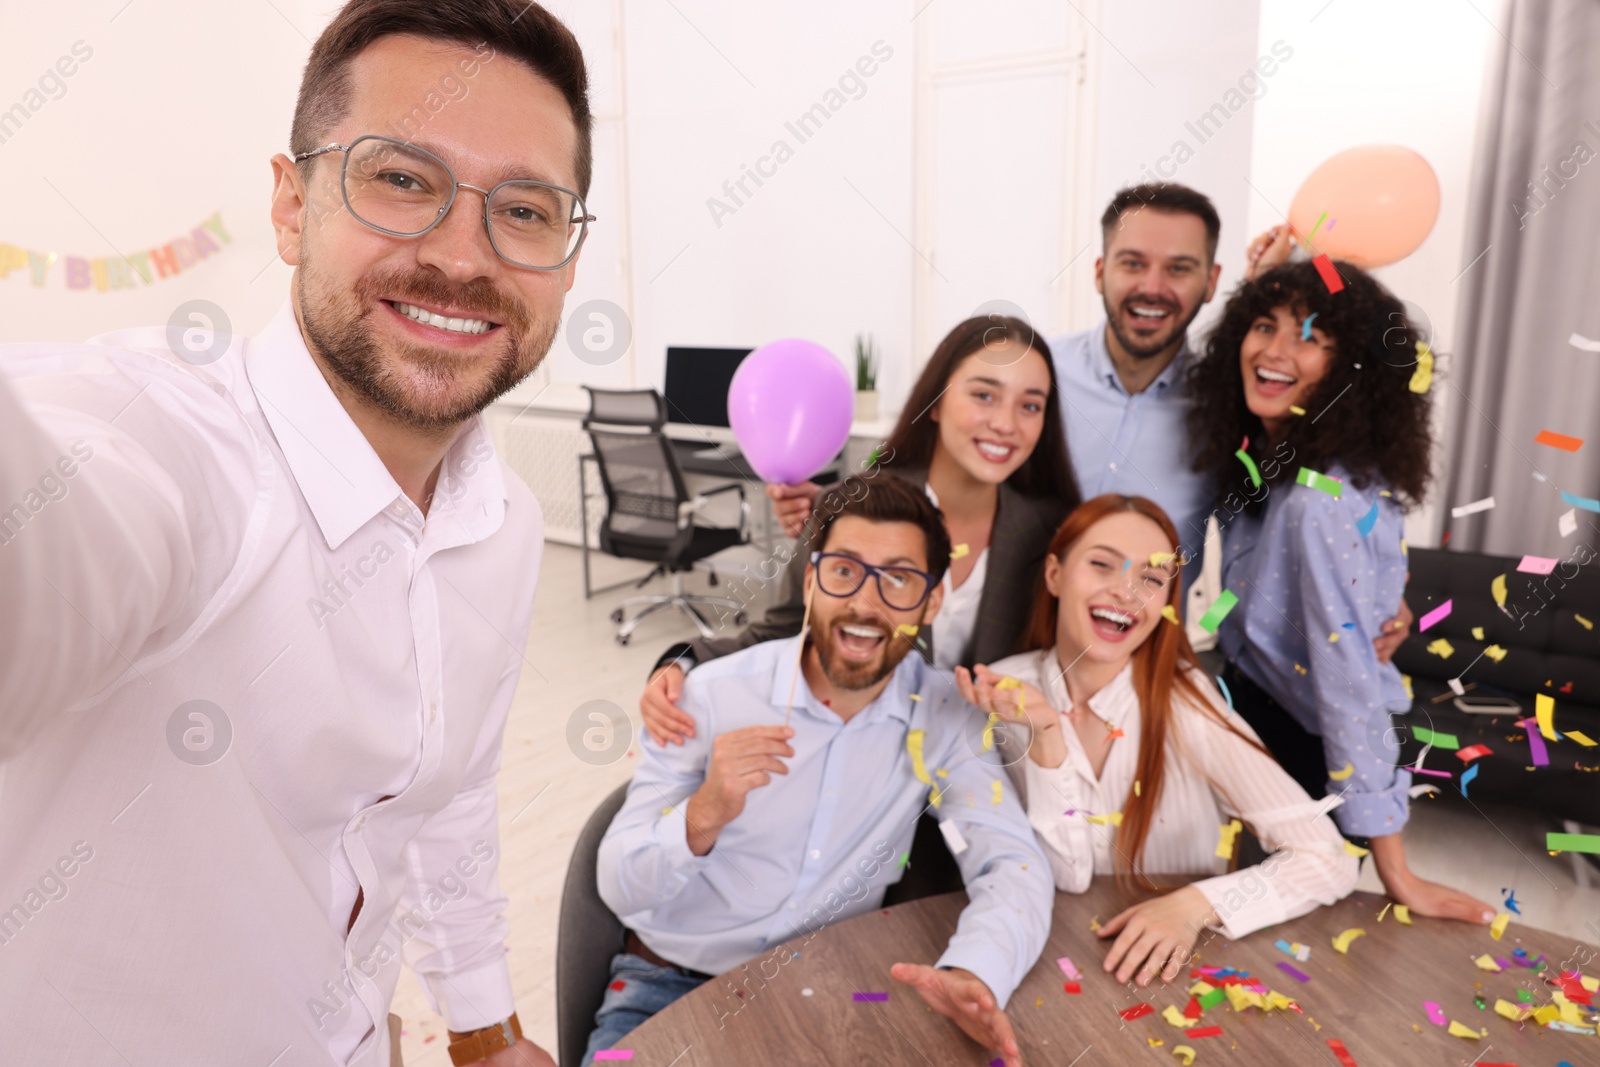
x,y
1129,761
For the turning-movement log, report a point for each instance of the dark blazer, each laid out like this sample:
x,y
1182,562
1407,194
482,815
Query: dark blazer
x,y
1023,526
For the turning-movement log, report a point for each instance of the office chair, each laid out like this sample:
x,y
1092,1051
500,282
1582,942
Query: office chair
x,y
649,512
587,936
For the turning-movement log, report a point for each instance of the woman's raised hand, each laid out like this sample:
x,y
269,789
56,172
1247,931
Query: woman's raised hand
x,y
1011,699
1270,249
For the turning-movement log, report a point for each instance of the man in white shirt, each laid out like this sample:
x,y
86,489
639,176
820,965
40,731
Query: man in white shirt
x,y
267,598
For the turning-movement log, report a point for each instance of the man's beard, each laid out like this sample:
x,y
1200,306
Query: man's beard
x,y
416,385
855,676
1139,349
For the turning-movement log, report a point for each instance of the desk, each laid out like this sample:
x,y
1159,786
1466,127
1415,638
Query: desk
x,y
1371,999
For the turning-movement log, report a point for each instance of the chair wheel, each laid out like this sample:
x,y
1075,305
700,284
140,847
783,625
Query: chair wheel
x,y
740,618
713,583
616,615
622,639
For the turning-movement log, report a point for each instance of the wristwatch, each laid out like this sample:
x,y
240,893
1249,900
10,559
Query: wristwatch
x,y
476,1045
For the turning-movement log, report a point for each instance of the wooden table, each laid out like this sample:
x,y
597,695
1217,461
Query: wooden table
x,y
1371,999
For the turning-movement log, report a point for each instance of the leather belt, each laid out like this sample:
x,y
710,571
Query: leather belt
x,y
635,947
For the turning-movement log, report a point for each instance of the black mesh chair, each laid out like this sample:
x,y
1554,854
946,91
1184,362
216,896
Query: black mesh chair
x,y
650,514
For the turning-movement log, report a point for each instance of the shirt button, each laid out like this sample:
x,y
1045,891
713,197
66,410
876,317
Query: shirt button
x,y
792,905
816,854
1112,466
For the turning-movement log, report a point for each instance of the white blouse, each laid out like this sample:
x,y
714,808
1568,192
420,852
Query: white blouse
x,y
958,615
1211,776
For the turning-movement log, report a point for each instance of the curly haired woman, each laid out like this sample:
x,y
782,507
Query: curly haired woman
x,y
1320,381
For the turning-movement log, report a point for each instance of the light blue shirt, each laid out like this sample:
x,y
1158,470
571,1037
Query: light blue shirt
x,y
822,843
1132,443
1304,574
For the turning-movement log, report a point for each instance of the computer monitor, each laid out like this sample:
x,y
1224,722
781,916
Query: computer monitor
x,y
697,387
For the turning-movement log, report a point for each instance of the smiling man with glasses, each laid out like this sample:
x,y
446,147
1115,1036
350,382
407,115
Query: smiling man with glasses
x,y
818,754
254,800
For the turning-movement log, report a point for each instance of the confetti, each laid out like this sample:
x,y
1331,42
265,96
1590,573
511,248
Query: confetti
x,y
1296,410
1161,559
1170,613
1250,467
1305,327
1568,522
1229,832
988,732
1368,521
952,837
1466,776
1545,711
1583,622
914,747
1137,1012
1353,849
1069,968
1472,752
1457,1030
998,795
1589,843
1497,589
1114,819
1176,1018
1497,929
1537,564
1477,633
1186,1052
1442,648
1313,480
1486,962
1580,737
1495,652
906,628
1094,923
1434,616
1512,904
961,551
1582,343
1330,276
1219,609
1342,773
1402,914
1558,440
614,1054
1422,377
1510,1011
1072,987
1204,1031
1342,942
1433,737
869,997
1435,1013
1293,971
1536,750
1341,1053
1473,508
1587,503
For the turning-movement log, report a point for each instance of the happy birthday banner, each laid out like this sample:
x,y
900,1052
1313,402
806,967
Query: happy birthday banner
x,y
119,272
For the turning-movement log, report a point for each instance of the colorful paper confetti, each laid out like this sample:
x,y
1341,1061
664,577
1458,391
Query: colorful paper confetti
x,y
1558,440
1342,942
1473,508
1436,615
1422,377
1497,929
1219,610
1293,972
1537,564
1365,524
1330,275
1314,480
1229,833
869,997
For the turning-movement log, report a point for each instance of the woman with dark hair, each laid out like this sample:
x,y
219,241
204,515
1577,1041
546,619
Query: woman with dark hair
x,y
1331,385
981,432
1133,762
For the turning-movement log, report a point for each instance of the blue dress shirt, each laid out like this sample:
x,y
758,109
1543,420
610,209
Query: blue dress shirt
x,y
1313,593
822,843
1133,443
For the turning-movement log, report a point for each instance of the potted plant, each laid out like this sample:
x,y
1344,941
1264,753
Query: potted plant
x,y
866,378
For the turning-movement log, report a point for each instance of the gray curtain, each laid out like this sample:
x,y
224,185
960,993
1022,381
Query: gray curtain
x,y
1536,209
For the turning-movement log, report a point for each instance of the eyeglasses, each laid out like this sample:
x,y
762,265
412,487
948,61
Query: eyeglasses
x,y
901,588
405,191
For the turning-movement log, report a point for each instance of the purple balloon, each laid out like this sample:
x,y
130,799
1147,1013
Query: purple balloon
x,y
790,405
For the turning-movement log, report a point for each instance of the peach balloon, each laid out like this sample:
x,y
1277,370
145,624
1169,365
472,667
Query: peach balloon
x,y
1382,200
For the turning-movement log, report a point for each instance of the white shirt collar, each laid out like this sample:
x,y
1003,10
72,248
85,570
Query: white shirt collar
x,y
342,478
1111,703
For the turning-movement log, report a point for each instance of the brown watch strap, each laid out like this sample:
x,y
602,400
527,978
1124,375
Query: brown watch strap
x,y
476,1045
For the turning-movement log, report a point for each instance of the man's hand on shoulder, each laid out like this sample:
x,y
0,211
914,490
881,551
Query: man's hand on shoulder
x,y
963,997
741,760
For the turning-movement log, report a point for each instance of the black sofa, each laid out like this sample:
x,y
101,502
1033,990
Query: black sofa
x,y
1548,650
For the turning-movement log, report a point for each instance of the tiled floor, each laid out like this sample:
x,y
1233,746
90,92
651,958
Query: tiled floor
x,y
547,791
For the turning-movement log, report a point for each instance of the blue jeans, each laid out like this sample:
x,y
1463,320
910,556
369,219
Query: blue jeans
x,y
646,989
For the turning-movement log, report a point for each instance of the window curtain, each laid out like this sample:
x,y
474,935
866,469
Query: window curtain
x,y
1528,359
